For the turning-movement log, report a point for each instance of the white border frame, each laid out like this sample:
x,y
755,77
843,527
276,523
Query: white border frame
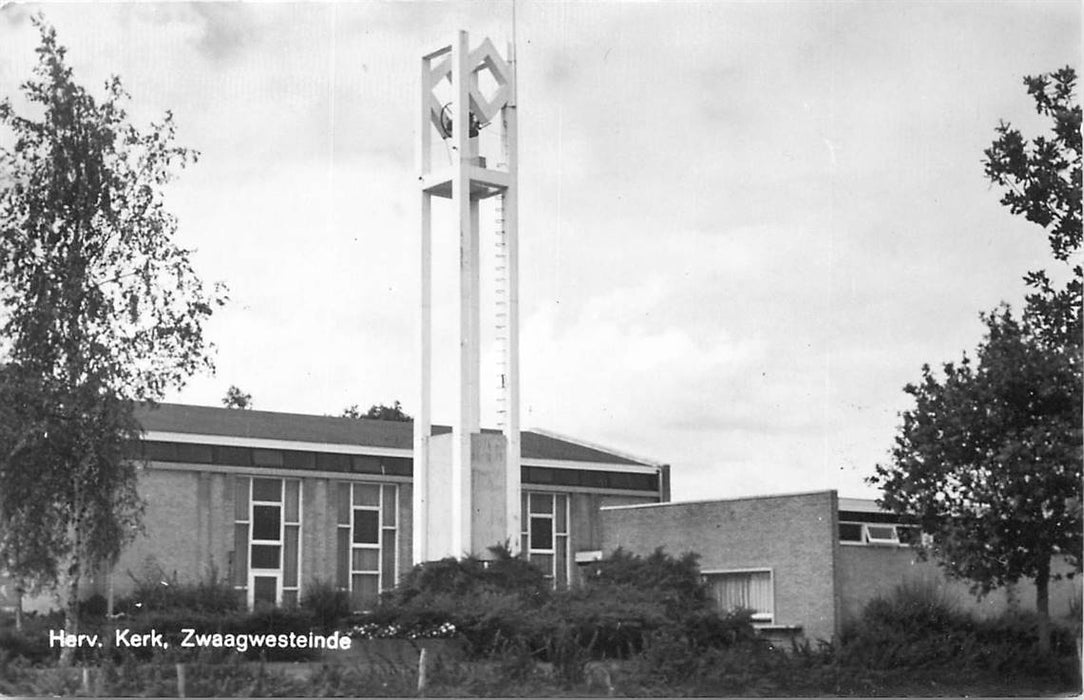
x,y
751,570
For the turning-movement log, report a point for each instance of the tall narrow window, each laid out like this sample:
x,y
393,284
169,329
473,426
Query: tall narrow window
x,y
545,534
367,517
267,539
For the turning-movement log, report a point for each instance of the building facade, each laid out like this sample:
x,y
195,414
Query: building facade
x,y
275,501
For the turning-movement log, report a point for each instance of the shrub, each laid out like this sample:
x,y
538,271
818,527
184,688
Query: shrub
x,y
33,647
154,590
506,609
327,604
919,627
1009,643
676,583
469,576
93,607
32,643
627,598
488,621
608,622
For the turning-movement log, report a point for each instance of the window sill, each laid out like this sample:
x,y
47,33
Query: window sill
x,y
772,627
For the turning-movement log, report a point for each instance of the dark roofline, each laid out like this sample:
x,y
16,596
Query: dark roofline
x,y
333,430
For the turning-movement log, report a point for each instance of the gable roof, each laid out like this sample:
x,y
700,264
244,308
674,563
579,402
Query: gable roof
x,y
364,432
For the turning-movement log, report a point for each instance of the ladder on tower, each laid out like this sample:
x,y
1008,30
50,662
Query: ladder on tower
x,y
500,285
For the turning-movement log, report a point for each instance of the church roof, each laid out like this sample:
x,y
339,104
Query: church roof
x,y
365,432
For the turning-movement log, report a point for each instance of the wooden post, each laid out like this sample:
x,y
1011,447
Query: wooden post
x,y
180,681
19,607
422,680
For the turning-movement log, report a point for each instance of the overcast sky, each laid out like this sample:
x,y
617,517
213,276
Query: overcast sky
x,y
744,226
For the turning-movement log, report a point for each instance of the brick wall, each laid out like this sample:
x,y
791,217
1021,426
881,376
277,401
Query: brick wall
x,y
793,535
866,572
189,527
172,528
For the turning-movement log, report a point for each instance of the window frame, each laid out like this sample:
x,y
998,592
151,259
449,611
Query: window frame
x,y
283,591
387,534
868,540
759,619
560,573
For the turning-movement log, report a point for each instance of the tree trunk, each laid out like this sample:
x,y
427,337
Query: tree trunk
x,y
1042,606
75,568
19,608
71,611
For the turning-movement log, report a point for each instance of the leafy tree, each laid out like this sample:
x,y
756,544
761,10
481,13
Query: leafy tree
x,y
1042,177
379,412
1042,181
989,460
235,398
99,310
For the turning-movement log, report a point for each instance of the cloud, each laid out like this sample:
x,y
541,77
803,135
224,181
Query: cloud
x,y
15,14
225,29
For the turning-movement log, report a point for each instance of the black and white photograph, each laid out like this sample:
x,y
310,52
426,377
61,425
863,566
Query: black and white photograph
x,y
541,348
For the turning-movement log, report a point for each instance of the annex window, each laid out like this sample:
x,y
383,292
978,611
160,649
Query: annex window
x,y
267,540
871,533
744,590
882,534
851,532
544,534
367,516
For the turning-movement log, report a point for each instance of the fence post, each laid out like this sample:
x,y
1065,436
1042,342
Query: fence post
x,y
180,680
423,657
86,680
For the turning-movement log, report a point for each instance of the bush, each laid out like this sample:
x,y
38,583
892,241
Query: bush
x,y
154,591
32,647
916,627
506,609
919,627
93,607
1009,643
488,621
504,574
32,643
328,605
676,583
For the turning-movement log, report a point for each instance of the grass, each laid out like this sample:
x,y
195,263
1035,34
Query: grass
x,y
494,679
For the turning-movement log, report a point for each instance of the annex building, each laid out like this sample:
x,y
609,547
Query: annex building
x,y
806,563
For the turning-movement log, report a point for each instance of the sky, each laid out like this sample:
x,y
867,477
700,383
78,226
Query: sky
x,y
744,227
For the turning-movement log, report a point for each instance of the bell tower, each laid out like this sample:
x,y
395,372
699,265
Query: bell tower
x,y
467,483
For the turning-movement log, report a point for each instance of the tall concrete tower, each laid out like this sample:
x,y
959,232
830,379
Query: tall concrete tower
x,y
467,483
